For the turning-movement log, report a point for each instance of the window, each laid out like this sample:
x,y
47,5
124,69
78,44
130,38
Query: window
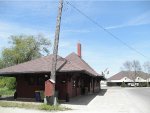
x,y
63,81
74,83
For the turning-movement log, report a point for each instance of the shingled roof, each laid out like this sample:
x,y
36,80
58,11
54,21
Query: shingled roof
x,y
69,64
43,64
74,62
128,74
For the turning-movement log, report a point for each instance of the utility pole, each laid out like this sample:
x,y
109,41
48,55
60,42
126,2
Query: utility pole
x,y
55,50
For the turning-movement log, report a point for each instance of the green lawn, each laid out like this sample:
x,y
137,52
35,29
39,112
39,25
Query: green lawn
x,y
7,92
33,106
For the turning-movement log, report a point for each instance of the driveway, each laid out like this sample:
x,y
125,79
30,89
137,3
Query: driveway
x,y
114,100
110,100
140,97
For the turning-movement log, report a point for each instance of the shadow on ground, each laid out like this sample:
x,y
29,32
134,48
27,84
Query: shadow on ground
x,y
80,100
8,98
102,92
85,99
11,98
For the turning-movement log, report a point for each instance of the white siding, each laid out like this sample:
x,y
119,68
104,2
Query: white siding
x,y
126,79
139,79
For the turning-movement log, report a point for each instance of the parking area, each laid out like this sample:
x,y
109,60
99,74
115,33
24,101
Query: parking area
x,y
115,100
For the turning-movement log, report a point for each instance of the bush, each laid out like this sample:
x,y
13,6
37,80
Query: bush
x,y
123,84
2,82
143,84
6,92
148,85
9,82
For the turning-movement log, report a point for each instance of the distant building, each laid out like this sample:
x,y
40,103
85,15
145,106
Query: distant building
x,y
128,77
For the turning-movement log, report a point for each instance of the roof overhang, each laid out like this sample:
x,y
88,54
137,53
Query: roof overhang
x,y
12,74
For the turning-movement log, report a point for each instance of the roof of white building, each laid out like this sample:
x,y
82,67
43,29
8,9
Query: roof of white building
x,y
129,74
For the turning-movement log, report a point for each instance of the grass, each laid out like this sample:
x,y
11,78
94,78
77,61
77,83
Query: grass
x,y
19,105
33,106
6,92
51,108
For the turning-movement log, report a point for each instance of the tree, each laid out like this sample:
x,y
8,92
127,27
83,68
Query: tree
x,y
136,68
128,65
147,67
133,68
25,48
147,70
123,84
1,63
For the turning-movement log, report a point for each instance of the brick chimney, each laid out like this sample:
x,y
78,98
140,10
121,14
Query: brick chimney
x,y
79,50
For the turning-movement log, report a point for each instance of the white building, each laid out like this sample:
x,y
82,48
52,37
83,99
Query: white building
x,y
129,78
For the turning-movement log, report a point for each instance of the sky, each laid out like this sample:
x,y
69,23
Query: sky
x,y
128,20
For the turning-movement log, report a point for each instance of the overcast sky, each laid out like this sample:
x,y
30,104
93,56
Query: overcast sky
x,y
130,21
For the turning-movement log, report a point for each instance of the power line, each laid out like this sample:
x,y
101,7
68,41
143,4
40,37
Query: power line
x,y
107,31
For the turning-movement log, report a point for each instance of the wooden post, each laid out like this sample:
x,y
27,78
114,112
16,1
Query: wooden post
x,y
55,49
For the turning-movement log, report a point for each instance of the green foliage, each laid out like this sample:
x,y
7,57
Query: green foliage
x,y
33,106
123,84
143,84
8,82
6,92
50,108
2,82
24,48
19,105
1,63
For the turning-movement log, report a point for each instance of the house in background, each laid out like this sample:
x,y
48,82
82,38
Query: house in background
x,y
128,77
74,76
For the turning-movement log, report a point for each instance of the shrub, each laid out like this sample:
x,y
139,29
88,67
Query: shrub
x,y
143,84
2,82
148,85
123,84
52,108
5,91
10,82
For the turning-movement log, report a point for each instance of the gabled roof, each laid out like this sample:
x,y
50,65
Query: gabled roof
x,y
128,74
42,64
69,64
74,62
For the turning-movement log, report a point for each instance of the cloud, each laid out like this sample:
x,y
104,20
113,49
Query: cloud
x,y
142,19
77,30
7,29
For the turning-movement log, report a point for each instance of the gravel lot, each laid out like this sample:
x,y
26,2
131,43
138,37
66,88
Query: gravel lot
x,y
110,100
